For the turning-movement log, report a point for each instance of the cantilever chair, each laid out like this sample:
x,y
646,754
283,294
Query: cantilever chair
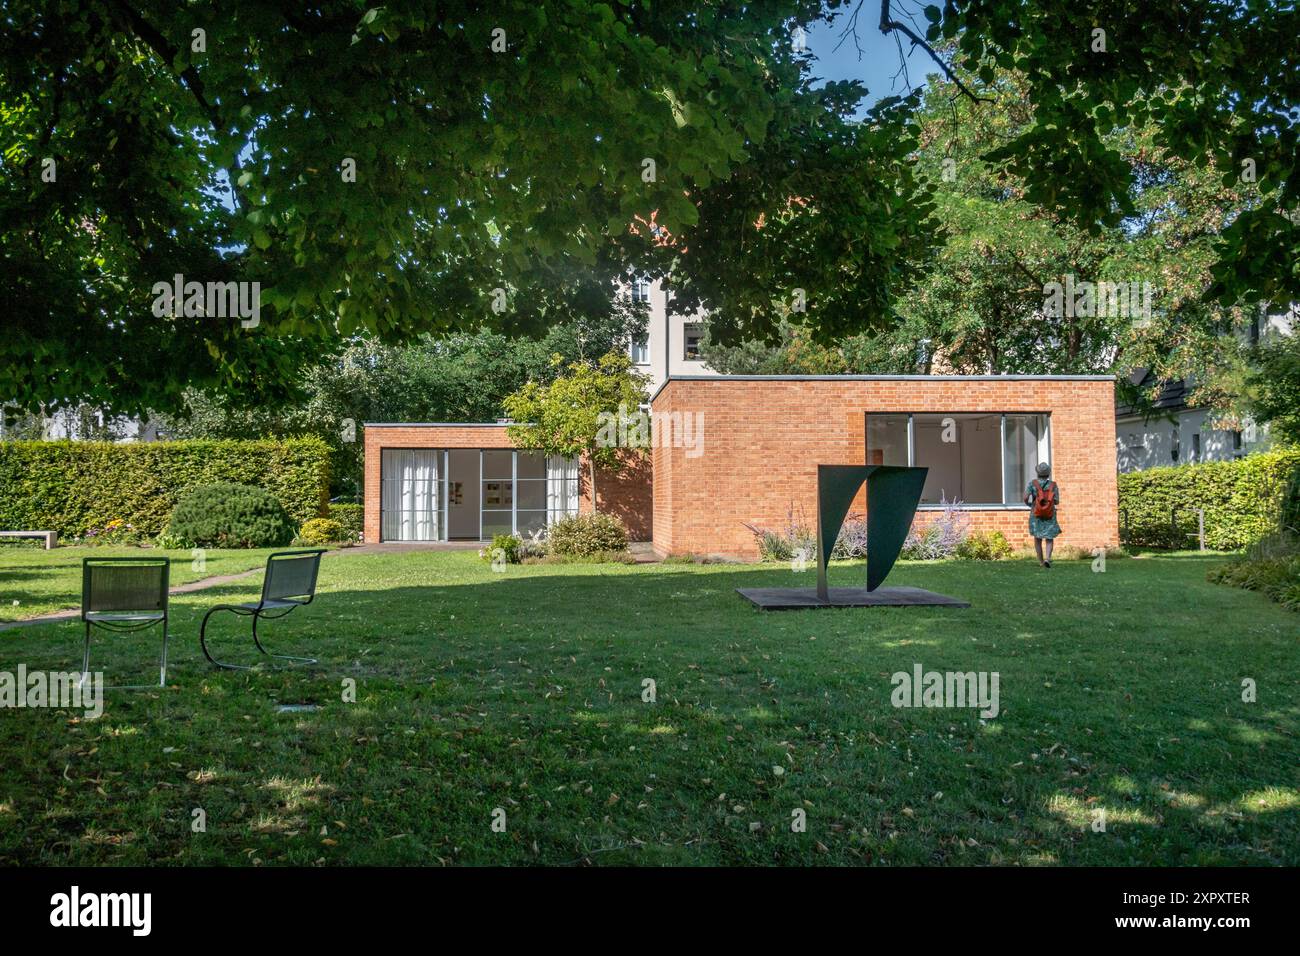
x,y
121,595
289,583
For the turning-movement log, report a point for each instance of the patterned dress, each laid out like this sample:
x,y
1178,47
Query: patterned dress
x,y
1042,527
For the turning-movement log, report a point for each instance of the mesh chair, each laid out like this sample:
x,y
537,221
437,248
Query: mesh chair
x,y
289,582
121,595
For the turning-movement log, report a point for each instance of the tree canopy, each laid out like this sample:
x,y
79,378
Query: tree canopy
x,y
400,170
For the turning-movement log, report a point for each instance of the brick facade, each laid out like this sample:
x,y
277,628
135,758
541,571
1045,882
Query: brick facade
x,y
764,437
627,495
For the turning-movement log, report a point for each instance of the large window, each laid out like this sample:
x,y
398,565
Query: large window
x,y
524,491
429,494
980,459
412,488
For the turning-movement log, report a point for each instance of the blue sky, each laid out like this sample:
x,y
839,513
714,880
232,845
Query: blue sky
x,y
879,61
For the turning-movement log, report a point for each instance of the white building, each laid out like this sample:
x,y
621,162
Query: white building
x,y
1179,432
672,341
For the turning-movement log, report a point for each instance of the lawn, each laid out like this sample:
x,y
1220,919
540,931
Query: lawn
x,y
523,691
34,581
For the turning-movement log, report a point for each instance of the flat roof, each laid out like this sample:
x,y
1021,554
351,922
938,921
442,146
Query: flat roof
x,y
880,378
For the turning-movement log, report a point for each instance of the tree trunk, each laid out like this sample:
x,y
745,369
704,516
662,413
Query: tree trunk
x,y
591,464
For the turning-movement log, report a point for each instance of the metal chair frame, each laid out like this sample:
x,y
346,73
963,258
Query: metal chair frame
x,y
266,607
125,620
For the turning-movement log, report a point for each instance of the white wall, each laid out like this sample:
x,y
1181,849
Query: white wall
x,y
1150,444
667,340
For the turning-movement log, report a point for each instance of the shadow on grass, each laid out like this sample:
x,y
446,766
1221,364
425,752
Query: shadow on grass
x,y
526,691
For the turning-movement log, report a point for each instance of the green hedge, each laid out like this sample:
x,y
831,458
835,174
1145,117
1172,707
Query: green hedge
x,y
1242,501
68,486
351,517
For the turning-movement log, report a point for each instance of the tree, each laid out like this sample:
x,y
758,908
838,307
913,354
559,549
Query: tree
x,y
461,377
1214,81
1274,385
565,417
405,170
894,351
401,172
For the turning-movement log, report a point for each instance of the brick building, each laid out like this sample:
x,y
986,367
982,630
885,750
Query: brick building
x,y
754,460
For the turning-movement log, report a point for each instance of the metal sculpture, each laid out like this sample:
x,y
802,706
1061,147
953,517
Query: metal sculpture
x,y
893,492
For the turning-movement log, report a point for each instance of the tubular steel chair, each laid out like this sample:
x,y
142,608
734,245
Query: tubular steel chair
x,y
122,595
289,582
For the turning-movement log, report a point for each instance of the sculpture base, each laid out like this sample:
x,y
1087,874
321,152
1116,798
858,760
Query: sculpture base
x,y
788,599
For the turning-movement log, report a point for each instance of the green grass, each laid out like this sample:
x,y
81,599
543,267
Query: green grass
x,y
522,691
34,581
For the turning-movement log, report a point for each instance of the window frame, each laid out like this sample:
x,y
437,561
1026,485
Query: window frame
x,y
689,329
1016,505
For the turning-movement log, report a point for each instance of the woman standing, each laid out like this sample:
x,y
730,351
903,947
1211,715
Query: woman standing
x,y
1043,497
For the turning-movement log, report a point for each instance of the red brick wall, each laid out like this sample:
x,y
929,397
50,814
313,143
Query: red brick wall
x,y
763,440
626,495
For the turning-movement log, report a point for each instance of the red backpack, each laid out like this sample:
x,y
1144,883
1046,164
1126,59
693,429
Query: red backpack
x,y
1044,500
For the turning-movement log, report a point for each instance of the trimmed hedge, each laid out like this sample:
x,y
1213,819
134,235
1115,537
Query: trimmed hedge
x,y
1242,501
68,486
351,517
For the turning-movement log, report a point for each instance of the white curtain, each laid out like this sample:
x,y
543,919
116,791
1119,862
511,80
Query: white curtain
x,y
561,488
410,499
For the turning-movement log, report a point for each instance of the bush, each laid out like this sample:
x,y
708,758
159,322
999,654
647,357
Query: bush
x,y
317,531
1243,501
503,546
585,535
774,545
227,515
351,519
71,487
939,537
115,532
985,546
852,539
1270,566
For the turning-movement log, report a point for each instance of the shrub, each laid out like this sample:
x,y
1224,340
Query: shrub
x,y
71,487
587,534
316,531
1243,501
503,546
351,519
114,532
1271,567
533,546
985,546
227,515
940,537
852,539
782,545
